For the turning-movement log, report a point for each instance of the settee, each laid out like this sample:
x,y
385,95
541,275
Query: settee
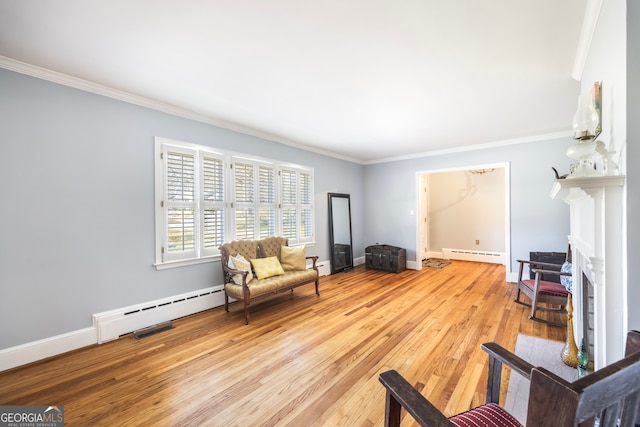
x,y
254,269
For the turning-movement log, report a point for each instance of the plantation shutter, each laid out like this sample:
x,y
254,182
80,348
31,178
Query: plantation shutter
x,y
289,212
180,205
306,207
244,195
267,200
213,204
297,205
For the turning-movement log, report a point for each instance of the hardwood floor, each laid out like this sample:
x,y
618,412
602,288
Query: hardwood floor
x,y
303,361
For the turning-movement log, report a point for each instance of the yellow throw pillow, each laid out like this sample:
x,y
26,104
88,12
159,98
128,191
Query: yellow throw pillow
x,y
239,262
293,258
267,267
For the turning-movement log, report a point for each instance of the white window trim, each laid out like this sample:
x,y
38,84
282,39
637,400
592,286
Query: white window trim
x,y
229,232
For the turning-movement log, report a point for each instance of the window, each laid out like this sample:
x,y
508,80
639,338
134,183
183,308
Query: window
x,y
296,204
206,197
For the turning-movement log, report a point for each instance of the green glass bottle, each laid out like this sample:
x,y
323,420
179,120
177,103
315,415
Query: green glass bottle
x,y
583,359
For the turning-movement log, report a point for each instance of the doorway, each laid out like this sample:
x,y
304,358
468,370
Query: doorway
x,y
464,212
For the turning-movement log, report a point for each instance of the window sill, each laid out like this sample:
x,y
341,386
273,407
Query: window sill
x,y
185,262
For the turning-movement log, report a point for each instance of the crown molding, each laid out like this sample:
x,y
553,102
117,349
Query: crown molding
x,y
87,86
591,15
524,140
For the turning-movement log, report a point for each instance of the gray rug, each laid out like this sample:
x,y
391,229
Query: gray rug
x,y
538,352
435,263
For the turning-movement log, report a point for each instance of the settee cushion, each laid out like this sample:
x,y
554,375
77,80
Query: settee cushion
x,y
293,258
239,262
259,287
267,267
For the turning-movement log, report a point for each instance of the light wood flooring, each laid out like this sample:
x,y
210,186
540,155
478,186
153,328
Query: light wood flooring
x,y
303,360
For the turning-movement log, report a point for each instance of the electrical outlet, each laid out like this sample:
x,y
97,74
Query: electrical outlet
x,y
477,242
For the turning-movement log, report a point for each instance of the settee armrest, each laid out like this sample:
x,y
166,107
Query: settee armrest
x,y
314,259
230,272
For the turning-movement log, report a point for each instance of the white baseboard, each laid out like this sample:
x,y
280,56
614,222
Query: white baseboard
x,y
41,349
112,324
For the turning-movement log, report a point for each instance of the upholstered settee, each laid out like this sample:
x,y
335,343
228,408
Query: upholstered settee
x,y
254,269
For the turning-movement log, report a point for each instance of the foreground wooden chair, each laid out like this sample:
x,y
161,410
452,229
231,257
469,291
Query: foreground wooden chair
x,y
543,285
607,397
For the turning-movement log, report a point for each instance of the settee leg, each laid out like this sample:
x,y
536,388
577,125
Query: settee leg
x,y
317,288
246,312
226,302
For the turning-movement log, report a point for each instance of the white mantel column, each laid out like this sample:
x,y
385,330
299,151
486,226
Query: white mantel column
x,y
596,208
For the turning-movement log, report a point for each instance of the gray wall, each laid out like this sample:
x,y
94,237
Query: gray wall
x,y
537,221
77,206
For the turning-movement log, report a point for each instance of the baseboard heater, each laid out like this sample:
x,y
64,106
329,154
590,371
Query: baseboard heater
x,y
477,256
110,325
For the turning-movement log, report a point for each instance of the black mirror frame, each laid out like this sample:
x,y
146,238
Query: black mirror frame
x,y
336,261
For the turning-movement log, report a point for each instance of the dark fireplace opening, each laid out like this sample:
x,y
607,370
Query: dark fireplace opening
x,y
588,317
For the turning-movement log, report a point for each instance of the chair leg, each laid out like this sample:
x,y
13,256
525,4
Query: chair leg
x,y
392,410
226,301
246,312
534,306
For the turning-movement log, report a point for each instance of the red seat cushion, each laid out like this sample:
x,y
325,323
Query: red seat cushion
x,y
488,415
547,288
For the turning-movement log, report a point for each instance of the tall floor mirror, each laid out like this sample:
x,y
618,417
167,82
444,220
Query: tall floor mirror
x,y
340,239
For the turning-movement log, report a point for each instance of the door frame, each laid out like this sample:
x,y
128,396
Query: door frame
x,y
423,191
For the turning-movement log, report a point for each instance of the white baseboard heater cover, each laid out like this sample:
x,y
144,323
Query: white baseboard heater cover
x,y
112,324
470,255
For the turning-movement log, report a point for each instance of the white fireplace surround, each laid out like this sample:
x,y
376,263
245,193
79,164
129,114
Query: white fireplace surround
x,y
596,213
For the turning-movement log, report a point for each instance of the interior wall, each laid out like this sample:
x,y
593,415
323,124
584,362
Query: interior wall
x,y
466,208
537,221
78,233
613,59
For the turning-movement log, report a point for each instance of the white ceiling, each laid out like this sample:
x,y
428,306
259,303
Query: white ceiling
x,y
365,80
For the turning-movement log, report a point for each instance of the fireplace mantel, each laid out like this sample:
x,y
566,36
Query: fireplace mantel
x,y
596,213
588,183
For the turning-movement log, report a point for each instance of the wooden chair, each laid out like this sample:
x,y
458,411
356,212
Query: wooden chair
x,y
605,398
543,286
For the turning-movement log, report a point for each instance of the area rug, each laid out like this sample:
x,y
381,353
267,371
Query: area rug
x,y
538,352
435,263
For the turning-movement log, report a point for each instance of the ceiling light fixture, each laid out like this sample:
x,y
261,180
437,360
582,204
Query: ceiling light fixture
x,y
481,171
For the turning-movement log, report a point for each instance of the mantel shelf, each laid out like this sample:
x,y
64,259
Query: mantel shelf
x,y
587,183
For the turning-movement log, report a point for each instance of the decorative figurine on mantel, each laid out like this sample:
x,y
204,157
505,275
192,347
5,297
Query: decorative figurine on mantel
x,y
558,176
